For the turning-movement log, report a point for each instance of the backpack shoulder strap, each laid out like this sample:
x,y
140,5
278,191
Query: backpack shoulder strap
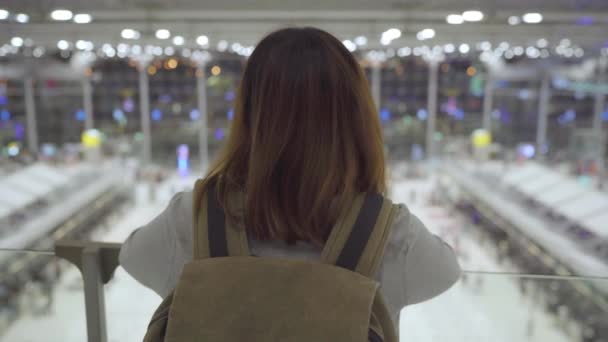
x,y
213,234
358,239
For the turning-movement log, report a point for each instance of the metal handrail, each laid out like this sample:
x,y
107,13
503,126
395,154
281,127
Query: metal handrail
x,y
97,262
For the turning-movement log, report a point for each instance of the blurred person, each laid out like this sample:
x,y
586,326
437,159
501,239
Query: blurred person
x,y
305,141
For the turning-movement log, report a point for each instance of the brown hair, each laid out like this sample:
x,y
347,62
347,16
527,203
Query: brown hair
x,y
305,137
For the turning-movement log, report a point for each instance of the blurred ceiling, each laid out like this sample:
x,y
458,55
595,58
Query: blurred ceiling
x,y
584,22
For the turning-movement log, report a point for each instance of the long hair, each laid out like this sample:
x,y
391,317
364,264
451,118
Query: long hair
x,y
305,138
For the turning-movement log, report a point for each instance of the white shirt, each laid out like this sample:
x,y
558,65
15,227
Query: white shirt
x,y
416,265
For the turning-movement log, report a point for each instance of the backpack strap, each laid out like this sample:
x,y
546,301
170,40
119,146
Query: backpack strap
x,y
214,235
358,239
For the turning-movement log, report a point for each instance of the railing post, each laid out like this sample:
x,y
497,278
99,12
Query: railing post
x,y
96,262
95,304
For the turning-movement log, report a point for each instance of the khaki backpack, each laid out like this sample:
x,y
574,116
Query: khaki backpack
x,y
227,295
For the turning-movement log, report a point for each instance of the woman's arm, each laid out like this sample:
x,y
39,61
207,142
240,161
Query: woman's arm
x,y
417,265
152,254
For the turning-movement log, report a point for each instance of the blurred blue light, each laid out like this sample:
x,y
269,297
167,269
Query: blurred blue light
x,y
182,160
3,100
19,131
48,150
585,20
182,166
605,115
417,152
5,115
458,114
505,116
527,150
385,114
195,114
157,115
568,116
524,94
229,95
118,114
230,114
422,114
128,105
81,115
560,83
219,134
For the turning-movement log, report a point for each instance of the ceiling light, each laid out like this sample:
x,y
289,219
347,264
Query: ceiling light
x,y
532,18
82,18
472,16
349,45
518,50
425,34
202,40
361,40
389,35
222,45
157,51
178,40
163,34
454,19
84,45
449,48
404,51
514,20
61,15
542,43
22,18
532,52
4,14
129,34
38,51
17,41
63,45
464,48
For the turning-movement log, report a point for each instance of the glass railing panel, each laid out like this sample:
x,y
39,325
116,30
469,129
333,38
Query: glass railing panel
x,y
128,301
508,307
41,298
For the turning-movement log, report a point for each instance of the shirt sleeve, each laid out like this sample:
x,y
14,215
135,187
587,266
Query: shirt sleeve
x,y
150,253
417,265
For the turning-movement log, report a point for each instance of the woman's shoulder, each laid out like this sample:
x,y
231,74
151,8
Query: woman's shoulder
x,y
406,227
179,214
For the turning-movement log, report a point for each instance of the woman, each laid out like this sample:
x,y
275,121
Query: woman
x,y
304,139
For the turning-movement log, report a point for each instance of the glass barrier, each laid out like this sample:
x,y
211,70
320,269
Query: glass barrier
x,y
41,298
121,307
497,307
479,307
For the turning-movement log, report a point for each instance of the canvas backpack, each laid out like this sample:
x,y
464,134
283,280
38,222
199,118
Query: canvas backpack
x,y
227,295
